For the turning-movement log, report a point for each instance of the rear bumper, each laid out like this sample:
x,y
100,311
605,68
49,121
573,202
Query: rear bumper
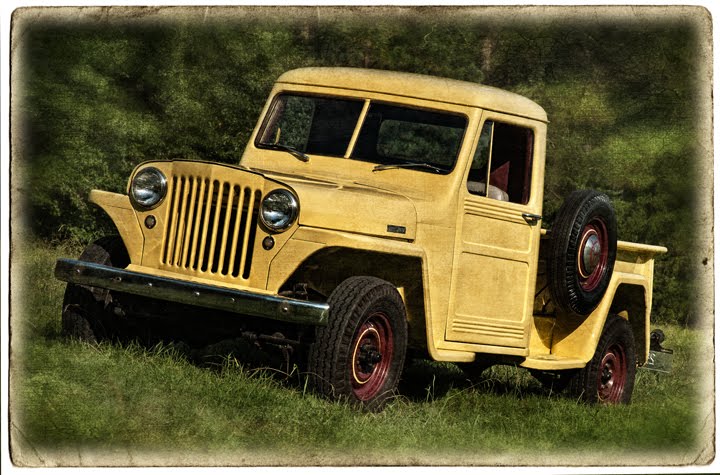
x,y
191,293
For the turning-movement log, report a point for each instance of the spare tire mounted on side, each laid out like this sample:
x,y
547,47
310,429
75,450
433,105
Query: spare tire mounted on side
x,y
581,257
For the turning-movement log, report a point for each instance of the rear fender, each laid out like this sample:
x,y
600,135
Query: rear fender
x,y
577,337
631,303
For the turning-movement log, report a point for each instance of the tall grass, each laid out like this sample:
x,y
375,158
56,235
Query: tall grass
x,y
74,403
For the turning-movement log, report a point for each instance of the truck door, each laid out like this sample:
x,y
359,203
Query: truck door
x,y
497,243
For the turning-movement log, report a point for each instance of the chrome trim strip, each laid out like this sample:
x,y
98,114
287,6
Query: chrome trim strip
x,y
174,290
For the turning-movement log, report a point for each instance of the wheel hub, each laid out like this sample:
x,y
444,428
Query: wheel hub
x,y
371,356
606,377
590,253
368,357
612,375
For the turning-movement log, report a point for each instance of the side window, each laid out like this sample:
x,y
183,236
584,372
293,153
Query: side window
x,y
503,159
293,115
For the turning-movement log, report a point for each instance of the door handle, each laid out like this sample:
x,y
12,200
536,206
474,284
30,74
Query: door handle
x,y
531,219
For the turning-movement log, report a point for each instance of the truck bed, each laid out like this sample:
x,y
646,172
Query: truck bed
x,y
562,341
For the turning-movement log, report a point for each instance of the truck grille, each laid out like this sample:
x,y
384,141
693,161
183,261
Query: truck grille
x,y
210,227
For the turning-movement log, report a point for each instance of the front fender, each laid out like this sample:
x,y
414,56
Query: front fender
x,y
121,212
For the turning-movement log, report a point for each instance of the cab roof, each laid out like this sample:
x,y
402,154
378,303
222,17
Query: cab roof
x,y
419,86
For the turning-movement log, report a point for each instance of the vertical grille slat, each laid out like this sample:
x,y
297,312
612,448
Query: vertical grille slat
x,y
192,203
221,266
214,232
194,253
206,222
247,226
243,196
210,227
251,236
172,223
180,228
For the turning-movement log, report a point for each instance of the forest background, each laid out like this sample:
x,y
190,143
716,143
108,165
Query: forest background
x,y
97,93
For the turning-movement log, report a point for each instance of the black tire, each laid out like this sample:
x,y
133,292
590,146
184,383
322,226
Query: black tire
x,y
359,355
84,307
581,254
609,377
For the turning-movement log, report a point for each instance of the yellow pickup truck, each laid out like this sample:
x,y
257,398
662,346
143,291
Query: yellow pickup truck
x,y
375,213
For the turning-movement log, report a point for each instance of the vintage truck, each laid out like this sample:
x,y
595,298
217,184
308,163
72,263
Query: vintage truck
x,y
375,213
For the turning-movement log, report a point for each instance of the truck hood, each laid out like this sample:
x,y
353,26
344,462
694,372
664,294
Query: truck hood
x,y
352,207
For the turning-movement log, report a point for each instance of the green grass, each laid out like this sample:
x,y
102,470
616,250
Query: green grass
x,y
73,403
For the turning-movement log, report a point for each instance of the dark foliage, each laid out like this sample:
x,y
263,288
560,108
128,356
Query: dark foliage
x,y
98,95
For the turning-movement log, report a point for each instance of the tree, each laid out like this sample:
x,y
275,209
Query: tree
x,y
98,97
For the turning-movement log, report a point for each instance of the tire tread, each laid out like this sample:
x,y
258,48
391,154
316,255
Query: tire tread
x,y
561,265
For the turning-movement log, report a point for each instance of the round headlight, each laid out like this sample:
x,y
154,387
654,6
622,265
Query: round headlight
x,y
148,187
279,210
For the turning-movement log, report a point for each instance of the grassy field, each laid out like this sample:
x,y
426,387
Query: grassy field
x,y
74,403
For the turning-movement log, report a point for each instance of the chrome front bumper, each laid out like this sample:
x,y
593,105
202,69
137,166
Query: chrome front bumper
x,y
191,293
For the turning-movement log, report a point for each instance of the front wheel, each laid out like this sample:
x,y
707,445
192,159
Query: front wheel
x,y
84,307
359,355
609,377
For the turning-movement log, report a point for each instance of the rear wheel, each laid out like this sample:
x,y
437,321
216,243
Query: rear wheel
x,y
84,313
359,355
609,377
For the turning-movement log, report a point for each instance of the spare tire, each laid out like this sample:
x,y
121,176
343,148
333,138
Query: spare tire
x,y
581,255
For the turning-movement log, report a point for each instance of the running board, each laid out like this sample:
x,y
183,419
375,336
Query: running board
x,y
552,363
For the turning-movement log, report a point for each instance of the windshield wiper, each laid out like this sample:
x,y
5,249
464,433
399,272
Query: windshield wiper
x,y
287,148
379,168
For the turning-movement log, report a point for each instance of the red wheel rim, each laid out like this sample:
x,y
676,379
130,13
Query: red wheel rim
x,y
372,352
612,375
592,255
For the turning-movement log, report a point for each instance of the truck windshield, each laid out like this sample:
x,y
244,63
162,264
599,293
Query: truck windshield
x,y
391,135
